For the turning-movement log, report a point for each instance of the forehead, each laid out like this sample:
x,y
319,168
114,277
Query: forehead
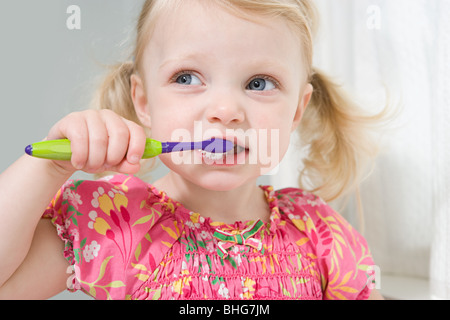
x,y
212,29
193,9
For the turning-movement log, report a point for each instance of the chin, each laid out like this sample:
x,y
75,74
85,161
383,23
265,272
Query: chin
x,y
214,177
220,181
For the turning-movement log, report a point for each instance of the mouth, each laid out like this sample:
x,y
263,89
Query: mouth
x,y
237,149
217,156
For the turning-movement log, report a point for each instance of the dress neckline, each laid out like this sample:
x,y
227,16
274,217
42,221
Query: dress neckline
x,y
178,209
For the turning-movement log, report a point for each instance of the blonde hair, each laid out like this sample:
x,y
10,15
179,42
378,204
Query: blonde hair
x,y
335,131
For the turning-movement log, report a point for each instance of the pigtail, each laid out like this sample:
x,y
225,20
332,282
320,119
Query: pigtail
x,y
339,140
115,92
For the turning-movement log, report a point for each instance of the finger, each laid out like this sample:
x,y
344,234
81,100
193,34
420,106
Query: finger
x,y
74,128
98,141
136,146
79,143
119,136
127,168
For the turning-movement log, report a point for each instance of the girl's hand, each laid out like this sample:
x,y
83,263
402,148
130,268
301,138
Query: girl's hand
x,y
100,141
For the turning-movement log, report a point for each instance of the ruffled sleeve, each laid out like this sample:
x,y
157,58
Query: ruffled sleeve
x,y
342,254
107,229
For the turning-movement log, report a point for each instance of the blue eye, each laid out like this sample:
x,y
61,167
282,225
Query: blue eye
x,y
260,84
188,80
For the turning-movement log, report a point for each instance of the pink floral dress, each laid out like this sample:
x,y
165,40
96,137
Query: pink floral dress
x,y
126,240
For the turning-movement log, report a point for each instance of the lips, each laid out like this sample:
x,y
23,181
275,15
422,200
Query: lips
x,y
218,158
215,156
238,148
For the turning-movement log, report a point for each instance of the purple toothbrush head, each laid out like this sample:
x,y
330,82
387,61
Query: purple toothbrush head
x,y
216,145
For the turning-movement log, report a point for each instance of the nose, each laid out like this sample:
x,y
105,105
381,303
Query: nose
x,y
225,108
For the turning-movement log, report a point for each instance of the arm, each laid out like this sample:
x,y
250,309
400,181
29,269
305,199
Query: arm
x,y
100,140
27,188
44,271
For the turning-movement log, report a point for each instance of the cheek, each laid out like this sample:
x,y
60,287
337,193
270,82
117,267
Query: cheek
x,y
168,129
280,121
165,121
275,133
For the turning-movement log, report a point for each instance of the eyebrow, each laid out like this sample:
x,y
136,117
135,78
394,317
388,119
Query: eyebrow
x,y
187,57
272,65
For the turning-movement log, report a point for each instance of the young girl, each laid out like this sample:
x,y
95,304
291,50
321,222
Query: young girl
x,y
206,230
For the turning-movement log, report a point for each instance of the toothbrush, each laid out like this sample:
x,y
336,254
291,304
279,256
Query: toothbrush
x,y
60,149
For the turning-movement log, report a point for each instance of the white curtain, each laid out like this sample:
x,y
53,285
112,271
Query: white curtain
x,y
440,103
397,51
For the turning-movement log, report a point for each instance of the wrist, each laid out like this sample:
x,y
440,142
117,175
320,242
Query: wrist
x,y
57,170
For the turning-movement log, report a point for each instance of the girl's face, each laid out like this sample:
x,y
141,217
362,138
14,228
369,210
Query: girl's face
x,y
209,73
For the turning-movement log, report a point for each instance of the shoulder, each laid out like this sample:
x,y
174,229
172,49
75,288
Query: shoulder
x,y
97,205
296,199
343,256
325,227
99,193
307,211
115,183
105,225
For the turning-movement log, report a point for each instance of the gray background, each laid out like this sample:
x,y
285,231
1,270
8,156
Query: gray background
x,y
48,70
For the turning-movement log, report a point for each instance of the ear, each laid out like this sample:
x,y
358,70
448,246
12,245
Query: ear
x,y
302,104
139,97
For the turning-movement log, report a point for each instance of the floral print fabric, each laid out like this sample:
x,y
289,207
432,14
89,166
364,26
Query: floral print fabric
x,y
126,240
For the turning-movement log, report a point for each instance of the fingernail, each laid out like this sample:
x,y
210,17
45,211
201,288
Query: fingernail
x,y
134,159
78,166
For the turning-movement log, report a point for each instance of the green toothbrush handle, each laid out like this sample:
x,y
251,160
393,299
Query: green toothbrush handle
x,y
60,149
153,148
51,149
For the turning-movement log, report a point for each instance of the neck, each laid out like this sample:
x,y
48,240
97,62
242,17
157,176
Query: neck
x,y
244,203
